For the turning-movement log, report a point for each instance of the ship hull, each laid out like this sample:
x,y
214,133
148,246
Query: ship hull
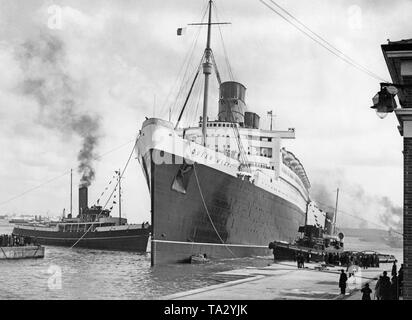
x,y
121,240
217,214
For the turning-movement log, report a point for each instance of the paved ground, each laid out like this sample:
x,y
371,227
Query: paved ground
x,y
284,281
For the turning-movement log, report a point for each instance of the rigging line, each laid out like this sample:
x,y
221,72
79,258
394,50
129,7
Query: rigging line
x,y
114,149
189,53
323,45
321,38
191,56
242,154
223,45
190,91
114,189
34,188
219,80
98,158
187,99
199,95
207,211
188,64
183,86
369,221
104,191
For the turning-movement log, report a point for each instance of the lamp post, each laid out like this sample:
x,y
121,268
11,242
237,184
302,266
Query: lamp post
x,y
398,57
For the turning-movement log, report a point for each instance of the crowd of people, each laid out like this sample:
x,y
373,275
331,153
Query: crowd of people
x,y
349,259
7,240
346,259
385,289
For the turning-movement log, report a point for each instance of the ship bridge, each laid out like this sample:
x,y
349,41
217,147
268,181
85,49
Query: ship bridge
x,y
237,131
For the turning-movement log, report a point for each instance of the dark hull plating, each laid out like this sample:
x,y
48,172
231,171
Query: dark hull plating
x,y
122,240
241,221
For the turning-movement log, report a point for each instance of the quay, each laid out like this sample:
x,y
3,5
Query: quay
x,y
284,281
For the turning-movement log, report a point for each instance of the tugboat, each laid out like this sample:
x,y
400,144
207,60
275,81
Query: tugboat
x,y
315,240
93,228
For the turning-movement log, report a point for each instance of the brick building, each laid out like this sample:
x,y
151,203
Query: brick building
x,y
398,56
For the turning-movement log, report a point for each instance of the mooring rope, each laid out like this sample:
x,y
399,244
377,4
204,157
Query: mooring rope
x,y
207,211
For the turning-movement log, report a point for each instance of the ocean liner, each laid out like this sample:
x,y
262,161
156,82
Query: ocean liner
x,y
224,188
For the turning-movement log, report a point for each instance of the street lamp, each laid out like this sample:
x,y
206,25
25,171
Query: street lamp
x,y
384,101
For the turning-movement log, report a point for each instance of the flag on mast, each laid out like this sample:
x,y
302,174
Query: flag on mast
x,y
181,31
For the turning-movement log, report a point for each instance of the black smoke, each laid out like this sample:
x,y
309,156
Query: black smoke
x,y
60,97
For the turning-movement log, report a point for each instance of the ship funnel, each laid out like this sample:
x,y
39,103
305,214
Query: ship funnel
x,y
83,200
232,105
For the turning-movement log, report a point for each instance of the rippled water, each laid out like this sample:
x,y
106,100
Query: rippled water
x,y
98,274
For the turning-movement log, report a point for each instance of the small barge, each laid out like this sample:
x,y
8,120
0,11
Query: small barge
x,y
12,247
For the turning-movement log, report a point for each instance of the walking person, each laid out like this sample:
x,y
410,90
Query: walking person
x,y
378,288
394,269
385,287
366,292
342,281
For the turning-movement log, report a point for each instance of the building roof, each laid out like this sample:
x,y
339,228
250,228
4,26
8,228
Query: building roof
x,y
393,53
403,41
401,45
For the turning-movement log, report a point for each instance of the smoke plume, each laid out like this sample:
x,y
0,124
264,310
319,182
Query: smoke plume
x,y
393,215
356,208
60,97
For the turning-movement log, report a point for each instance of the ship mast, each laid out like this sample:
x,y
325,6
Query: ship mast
x,y
336,210
120,198
71,192
207,70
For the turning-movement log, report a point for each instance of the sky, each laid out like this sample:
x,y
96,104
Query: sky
x,y
69,65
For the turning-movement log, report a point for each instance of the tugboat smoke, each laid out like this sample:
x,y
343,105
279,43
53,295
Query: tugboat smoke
x,y
371,210
47,79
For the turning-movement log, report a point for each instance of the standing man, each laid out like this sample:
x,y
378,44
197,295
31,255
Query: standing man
x,y
342,281
400,281
394,269
385,287
366,292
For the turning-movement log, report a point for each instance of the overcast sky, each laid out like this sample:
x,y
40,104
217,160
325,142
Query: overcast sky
x,y
122,60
